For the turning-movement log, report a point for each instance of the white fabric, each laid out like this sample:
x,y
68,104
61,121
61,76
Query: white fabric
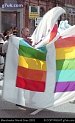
x,y
19,96
46,25
63,25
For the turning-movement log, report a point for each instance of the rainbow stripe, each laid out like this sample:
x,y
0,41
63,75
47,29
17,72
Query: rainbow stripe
x,y
31,73
65,64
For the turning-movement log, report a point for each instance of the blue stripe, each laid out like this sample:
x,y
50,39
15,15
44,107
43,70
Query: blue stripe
x,y
65,75
24,43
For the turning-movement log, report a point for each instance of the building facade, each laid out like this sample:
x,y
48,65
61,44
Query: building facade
x,y
28,13
70,11
44,6
11,14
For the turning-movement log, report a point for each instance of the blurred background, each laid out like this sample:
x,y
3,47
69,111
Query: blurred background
x,y
28,13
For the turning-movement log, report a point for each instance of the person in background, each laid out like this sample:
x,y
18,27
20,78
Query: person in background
x,y
64,24
6,34
1,55
1,41
25,34
15,31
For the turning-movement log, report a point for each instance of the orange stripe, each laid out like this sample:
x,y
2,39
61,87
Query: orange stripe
x,y
65,42
30,84
31,74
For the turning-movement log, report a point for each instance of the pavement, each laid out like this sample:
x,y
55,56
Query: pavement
x,y
10,110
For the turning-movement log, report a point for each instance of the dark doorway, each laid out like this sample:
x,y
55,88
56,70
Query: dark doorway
x,y
10,19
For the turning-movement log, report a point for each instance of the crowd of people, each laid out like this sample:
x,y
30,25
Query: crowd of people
x,y
4,40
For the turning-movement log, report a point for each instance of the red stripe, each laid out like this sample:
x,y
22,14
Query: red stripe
x,y
30,84
53,32
31,74
65,42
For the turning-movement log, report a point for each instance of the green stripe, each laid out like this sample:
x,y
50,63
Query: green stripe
x,y
68,64
31,53
24,43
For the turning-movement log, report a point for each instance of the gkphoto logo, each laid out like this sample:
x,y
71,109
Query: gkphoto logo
x,y
5,5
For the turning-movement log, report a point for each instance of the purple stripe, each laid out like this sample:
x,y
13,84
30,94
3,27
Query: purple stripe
x,y
64,86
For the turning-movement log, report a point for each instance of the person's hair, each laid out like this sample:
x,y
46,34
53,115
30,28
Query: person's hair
x,y
24,29
5,34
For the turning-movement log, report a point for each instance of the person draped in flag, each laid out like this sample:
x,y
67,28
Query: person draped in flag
x,y
25,34
59,85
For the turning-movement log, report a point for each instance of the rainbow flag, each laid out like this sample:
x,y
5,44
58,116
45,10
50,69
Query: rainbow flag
x,y
65,64
31,73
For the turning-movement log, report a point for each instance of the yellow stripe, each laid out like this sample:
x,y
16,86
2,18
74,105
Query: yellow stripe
x,y
65,53
32,63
